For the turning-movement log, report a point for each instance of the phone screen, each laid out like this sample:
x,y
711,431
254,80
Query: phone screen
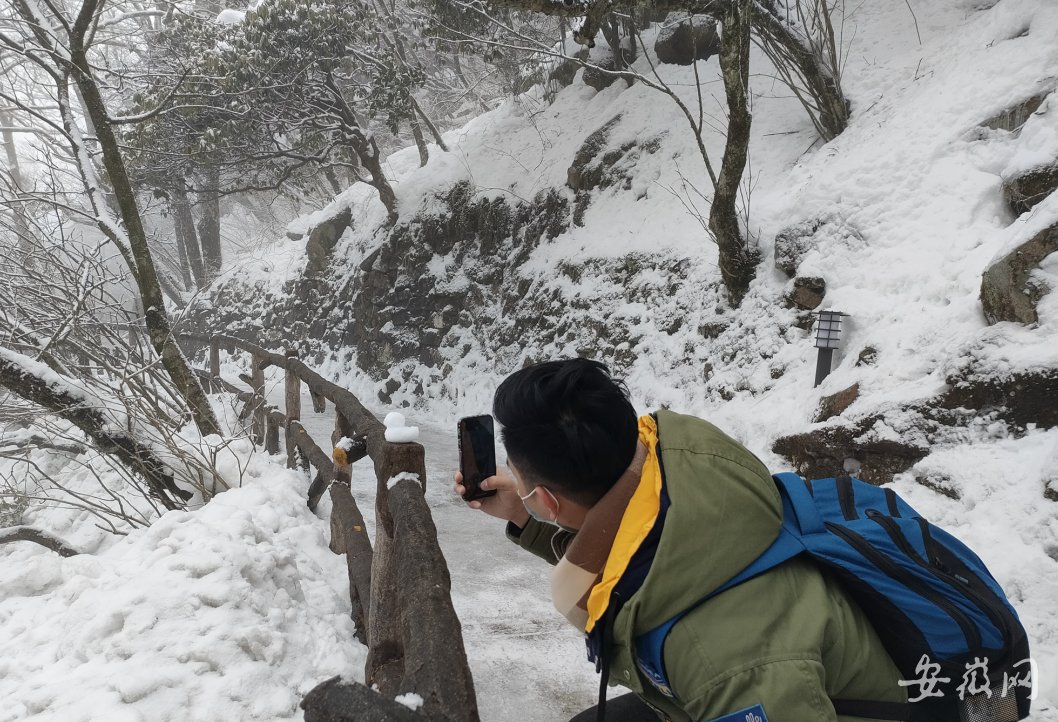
x,y
477,454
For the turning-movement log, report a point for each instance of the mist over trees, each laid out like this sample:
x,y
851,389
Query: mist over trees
x,y
130,129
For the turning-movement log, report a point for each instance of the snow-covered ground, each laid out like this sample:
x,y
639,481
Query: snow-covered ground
x,y
235,610
229,612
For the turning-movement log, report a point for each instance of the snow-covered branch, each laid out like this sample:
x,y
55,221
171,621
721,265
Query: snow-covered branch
x,y
29,534
38,384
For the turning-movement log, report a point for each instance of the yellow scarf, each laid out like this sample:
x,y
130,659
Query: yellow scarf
x,y
636,523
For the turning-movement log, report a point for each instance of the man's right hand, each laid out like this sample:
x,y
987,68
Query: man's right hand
x,y
505,504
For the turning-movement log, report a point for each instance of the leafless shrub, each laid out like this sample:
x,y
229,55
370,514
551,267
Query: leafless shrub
x,y
70,307
810,31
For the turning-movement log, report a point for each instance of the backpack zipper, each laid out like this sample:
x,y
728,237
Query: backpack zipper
x,y
972,636
999,619
938,569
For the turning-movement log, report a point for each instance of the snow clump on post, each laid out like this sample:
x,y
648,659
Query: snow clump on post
x,y
397,430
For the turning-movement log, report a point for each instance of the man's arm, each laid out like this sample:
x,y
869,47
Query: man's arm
x,y
544,540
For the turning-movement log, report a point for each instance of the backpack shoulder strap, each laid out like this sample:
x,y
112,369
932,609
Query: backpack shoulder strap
x,y
799,517
802,505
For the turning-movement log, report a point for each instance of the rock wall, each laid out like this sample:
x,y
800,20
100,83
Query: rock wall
x,y
454,286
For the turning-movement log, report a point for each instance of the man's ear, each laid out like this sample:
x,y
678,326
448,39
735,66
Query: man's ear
x,y
551,502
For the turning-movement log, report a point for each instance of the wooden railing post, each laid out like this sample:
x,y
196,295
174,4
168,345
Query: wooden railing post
x,y
257,382
435,659
292,399
271,431
292,389
349,536
342,430
385,650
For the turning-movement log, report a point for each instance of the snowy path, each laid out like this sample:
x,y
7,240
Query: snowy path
x,y
528,663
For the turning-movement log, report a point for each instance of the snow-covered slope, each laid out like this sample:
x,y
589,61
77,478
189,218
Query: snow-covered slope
x,y
910,193
231,612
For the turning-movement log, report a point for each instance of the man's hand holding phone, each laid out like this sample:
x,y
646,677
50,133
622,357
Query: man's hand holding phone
x,y
504,504
481,484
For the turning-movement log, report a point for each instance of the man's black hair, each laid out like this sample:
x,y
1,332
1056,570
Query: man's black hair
x,y
567,424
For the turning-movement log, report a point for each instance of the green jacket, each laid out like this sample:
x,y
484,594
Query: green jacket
x,y
790,640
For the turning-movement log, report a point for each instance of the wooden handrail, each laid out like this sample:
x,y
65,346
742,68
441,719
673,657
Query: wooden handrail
x,y
400,588
344,401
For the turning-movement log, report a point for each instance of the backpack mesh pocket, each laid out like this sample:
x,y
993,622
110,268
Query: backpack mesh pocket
x,y
989,708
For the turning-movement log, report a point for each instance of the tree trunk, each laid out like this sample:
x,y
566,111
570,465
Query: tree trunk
x,y
429,124
458,68
738,262
18,210
209,223
420,140
370,158
184,223
169,288
182,256
397,44
157,321
332,179
363,147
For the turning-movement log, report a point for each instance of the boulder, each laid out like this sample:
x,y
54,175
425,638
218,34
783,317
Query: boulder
x,y
794,242
940,483
385,394
577,177
1008,290
324,237
807,293
1023,192
823,452
598,166
682,39
599,75
835,404
1014,117
1019,397
563,71
868,356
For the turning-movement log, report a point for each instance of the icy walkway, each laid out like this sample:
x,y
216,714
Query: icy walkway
x,y
528,662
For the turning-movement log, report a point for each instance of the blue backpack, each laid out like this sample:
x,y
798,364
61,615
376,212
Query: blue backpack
x,y
961,650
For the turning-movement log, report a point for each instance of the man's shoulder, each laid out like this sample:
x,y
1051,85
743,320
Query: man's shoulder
x,y
684,433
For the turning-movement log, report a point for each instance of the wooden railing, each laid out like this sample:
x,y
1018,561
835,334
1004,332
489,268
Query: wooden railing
x,y
399,586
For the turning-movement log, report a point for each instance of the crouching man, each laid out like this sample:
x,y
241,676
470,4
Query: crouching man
x,y
645,517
